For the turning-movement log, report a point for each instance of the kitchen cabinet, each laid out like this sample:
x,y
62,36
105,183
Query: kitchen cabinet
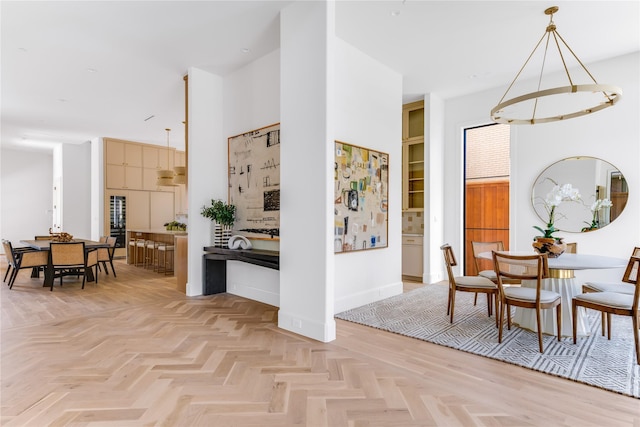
x,y
412,255
413,157
123,165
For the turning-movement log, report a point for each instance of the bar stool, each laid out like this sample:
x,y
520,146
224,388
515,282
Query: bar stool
x,y
165,251
149,253
137,245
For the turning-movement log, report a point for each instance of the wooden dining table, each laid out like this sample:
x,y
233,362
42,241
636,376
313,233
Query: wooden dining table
x,y
43,245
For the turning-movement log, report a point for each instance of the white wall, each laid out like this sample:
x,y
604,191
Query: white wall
x,y
76,189
207,162
252,101
368,113
307,44
611,135
26,197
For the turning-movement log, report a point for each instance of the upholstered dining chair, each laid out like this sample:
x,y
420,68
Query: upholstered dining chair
x,y
70,258
105,255
619,287
614,303
478,248
20,258
477,284
525,267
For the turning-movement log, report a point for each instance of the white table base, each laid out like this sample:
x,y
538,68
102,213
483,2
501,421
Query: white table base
x,y
567,288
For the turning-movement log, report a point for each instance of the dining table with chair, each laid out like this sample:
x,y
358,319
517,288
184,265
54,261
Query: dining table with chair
x,y
562,280
67,263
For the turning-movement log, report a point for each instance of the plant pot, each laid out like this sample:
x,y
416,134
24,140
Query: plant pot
x,y
548,245
221,235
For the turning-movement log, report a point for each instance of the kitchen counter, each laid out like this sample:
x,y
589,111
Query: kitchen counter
x,y
157,235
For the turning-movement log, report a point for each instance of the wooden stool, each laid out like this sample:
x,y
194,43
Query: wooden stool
x,y
137,245
165,252
150,254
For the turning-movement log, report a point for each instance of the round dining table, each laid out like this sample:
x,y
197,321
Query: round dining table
x,y
563,281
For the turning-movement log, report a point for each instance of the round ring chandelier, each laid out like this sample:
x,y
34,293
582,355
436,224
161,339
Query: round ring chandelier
x,y
606,95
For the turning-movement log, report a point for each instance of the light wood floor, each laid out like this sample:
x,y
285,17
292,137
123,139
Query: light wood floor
x,y
132,351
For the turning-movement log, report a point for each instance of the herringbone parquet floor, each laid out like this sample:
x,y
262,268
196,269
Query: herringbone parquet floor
x,y
132,351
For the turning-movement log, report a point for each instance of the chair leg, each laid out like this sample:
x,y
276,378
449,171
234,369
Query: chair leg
x,y
559,320
453,304
12,279
502,309
634,320
574,315
608,326
112,268
539,323
603,321
488,304
449,301
5,274
497,310
475,298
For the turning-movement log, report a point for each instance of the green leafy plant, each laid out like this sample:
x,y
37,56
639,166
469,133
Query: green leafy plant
x,y
175,225
220,212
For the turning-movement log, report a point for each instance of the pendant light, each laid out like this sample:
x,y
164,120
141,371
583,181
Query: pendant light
x,y
165,176
181,172
578,99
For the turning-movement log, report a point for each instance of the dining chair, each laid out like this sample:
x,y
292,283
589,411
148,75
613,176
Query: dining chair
x,y
619,287
572,248
71,258
525,267
477,284
105,255
20,258
614,303
489,273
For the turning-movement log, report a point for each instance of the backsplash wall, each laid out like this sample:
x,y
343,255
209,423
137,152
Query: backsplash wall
x,y
412,222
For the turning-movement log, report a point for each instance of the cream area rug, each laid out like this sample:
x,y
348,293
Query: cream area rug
x,y
421,314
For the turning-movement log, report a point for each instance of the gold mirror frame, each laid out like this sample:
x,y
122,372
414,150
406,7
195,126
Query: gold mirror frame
x,y
595,178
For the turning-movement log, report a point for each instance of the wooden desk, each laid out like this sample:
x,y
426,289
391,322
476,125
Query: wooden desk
x,y
214,265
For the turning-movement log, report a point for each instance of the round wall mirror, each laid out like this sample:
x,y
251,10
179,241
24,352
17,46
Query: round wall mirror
x,y
598,182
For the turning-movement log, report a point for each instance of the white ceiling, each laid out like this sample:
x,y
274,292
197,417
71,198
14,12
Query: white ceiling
x,y
75,70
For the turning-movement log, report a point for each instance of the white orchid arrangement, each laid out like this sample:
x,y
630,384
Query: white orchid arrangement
x,y
595,208
557,195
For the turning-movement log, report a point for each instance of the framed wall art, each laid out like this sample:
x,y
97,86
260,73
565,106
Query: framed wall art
x,y
254,182
361,195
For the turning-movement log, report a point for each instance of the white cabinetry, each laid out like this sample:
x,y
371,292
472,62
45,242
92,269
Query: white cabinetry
x,y
412,255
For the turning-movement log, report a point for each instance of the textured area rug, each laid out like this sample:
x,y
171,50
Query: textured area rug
x,y
594,360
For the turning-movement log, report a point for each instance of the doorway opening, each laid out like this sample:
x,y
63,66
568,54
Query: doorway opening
x,y
486,192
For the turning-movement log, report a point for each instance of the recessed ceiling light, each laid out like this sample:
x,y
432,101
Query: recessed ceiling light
x,y
245,50
92,70
22,49
63,100
395,12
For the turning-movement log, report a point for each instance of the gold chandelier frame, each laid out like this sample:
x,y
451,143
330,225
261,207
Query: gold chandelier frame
x,y
612,94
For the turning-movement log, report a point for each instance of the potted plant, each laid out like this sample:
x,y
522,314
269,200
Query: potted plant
x,y
223,216
547,242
